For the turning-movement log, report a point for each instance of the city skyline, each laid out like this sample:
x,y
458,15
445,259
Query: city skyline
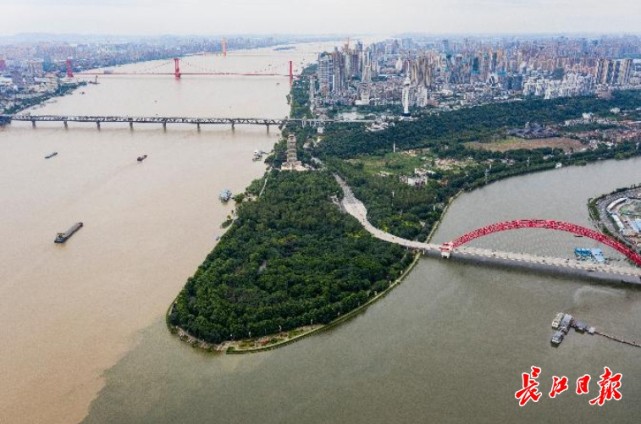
x,y
198,17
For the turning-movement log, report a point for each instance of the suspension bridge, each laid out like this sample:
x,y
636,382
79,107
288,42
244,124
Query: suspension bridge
x,y
456,249
178,72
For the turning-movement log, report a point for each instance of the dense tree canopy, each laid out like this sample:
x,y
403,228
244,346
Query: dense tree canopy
x,y
446,132
290,259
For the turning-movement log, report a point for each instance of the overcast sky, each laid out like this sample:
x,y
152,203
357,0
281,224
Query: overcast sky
x,y
152,17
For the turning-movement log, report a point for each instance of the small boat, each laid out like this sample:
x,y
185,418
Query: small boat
x,y
557,320
225,195
63,237
557,338
49,156
141,158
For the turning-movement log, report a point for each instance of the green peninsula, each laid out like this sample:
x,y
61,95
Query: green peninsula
x,y
293,259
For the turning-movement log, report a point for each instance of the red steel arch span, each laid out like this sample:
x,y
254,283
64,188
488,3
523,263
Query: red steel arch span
x,y
547,224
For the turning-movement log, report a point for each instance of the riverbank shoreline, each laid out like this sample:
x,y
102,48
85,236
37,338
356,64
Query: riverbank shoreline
x,y
62,91
264,343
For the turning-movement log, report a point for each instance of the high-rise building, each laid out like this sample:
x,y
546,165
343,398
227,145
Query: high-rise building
x,y
604,70
614,72
422,71
406,96
325,73
623,72
446,46
312,89
340,71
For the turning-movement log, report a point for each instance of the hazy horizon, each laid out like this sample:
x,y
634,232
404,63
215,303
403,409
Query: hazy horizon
x,y
278,17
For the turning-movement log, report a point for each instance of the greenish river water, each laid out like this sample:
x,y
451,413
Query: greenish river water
x,y
449,345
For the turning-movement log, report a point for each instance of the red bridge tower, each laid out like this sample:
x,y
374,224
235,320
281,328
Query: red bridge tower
x,y
69,68
177,67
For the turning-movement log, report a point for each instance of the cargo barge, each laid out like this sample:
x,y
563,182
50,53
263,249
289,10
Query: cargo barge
x,y
63,237
49,156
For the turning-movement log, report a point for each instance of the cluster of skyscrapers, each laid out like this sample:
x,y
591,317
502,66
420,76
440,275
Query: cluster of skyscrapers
x,y
471,71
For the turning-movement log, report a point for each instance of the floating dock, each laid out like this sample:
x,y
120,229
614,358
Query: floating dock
x,y
562,323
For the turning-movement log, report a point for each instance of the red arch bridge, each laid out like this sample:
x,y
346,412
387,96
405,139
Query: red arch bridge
x,y
547,224
457,248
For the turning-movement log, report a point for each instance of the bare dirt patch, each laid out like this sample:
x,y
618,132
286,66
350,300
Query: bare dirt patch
x,y
513,143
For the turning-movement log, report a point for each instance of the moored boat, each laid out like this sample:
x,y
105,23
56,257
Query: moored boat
x,y
225,195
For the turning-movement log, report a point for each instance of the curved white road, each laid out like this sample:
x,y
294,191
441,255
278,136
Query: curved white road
x,y
357,209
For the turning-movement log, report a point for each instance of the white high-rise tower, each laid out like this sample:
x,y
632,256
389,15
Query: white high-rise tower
x,y
406,96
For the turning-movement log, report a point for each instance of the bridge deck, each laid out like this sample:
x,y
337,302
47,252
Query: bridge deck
x,y
357,209
172,120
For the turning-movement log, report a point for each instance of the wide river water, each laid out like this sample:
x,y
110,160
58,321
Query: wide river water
x,y
70,312
85,320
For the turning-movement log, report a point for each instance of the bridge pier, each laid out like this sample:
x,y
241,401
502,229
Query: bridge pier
x,y
131,125
267,125
98,124
65,124
33,124
198,127
164,126
233,127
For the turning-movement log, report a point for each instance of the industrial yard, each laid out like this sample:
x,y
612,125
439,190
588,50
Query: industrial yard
x,y
620,214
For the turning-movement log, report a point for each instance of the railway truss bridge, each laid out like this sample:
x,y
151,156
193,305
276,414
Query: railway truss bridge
x,y
165,120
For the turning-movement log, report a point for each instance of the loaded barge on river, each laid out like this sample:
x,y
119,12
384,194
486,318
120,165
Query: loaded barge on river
x,y
63,237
